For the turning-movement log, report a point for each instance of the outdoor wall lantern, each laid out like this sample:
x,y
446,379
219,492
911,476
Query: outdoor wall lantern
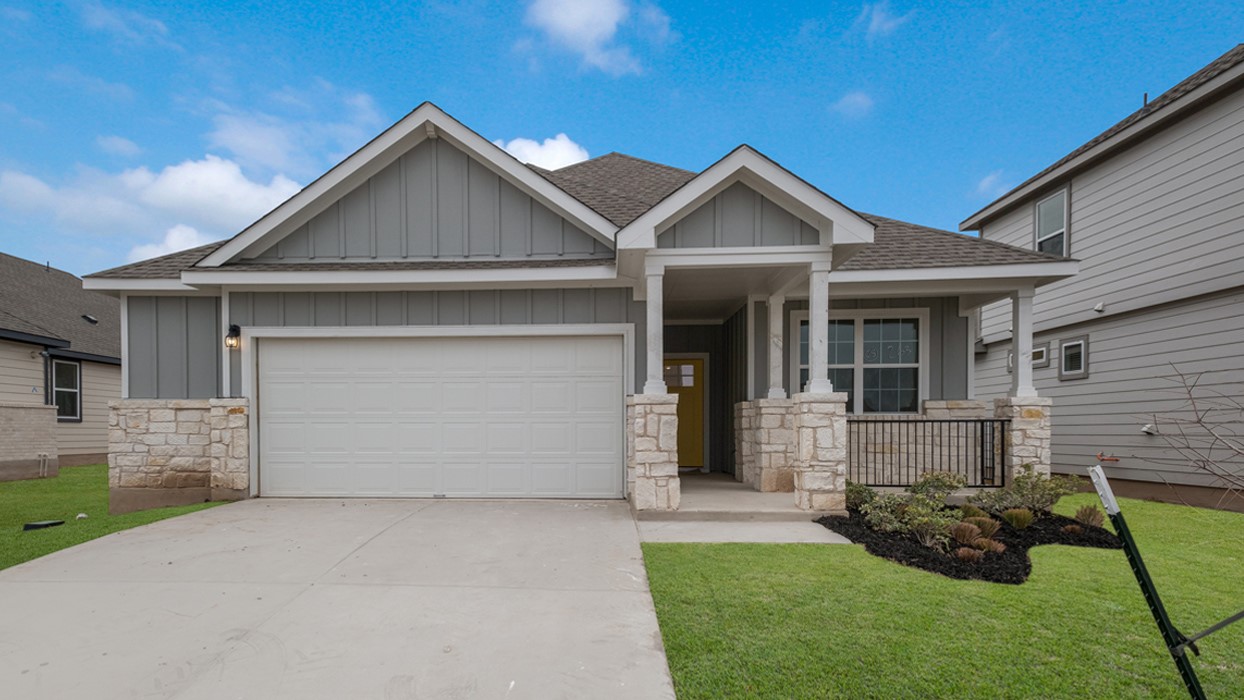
x,y
233,339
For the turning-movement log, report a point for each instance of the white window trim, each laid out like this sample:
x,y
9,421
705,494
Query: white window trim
x,y
77,368
921,314
1044,361
1038,239
1083,342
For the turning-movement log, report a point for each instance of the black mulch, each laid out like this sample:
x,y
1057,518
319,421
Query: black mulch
x,y
1011,566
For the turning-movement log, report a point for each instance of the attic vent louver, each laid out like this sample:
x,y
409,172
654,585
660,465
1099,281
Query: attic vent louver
x,y
90,319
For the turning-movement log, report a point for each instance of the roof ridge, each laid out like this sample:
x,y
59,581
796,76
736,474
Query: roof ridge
x,y
619,154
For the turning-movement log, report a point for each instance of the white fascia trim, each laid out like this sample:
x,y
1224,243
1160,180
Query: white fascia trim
x,y
372,278
763,175
674,258
1050,270
426,121
1119,141
98,284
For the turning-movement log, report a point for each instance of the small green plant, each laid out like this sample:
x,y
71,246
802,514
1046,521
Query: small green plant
x,y
1091,515
928,521
1018,518
988,526
969,555
885,512
986,544
965,533
937,485
970,511
1028,489
859,495
1073,529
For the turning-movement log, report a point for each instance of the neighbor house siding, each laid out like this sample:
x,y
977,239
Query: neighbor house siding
x,y
438,308
1156,223
101,383
738,217
174,347
1132,362
435,201
21,376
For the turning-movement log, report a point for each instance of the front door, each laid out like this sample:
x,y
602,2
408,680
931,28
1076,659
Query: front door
x,y
685,377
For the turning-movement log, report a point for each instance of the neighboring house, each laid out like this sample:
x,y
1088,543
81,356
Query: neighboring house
x,y
1154,209
60,365
431,317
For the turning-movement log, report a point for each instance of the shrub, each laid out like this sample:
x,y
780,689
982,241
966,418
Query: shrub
x,y
1019,518
1091,515
971,511
937,485
988,526
986,544
885,512
1028,489
1073,529
859,495
928,521
965,533
969,555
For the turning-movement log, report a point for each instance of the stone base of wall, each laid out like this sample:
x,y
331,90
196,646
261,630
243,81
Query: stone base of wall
x,y
179,451
820,424
652,452
1028,440
27,442
775,445
744,442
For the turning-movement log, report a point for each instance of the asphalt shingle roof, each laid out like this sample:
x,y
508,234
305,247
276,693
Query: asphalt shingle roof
x,y
40,300
621,188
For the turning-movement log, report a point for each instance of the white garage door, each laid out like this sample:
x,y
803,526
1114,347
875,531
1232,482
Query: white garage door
x,y
466,417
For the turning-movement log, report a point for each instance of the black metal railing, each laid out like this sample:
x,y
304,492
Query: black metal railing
x,y
896,451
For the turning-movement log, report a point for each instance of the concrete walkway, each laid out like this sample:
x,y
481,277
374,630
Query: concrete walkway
x,y
342,599
743,531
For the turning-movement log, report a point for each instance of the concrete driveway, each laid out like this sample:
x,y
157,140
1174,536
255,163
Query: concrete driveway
x,y
342,599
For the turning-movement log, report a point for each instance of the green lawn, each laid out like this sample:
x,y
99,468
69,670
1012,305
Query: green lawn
x,y
76,490
830,621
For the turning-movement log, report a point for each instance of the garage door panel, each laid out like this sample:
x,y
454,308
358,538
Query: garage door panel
x,y
505,417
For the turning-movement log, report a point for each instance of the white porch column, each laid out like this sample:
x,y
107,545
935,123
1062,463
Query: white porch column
x,y
1021,343
818,333
776,304
656,334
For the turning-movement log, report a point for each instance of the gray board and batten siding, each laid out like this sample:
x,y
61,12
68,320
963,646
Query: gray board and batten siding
x,y
738,217
174,347
435,202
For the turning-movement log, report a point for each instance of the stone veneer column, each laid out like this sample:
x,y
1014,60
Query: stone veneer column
x,y
744,442
652,451
1028,439
821,459
774,445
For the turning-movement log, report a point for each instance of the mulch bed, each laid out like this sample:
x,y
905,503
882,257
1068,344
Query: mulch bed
x,y
1011,566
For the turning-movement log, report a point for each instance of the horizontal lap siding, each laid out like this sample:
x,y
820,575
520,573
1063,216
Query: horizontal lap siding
x,y
21,376
1131,378
101,383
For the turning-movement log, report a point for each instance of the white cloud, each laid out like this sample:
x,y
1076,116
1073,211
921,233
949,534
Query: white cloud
x,y
179,237
212,191
854,105
877,20
554,153
992,185
127,26
118,146
68,75
590,28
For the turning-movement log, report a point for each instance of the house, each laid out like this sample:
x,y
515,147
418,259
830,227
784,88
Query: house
x,y
60,366
433,318
1153,208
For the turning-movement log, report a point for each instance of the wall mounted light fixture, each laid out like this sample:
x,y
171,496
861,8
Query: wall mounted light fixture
x,y
233,339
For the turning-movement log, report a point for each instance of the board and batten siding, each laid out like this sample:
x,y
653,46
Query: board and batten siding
x,y
1160,221
433,202
101,383
1130,379
738,217
21,376
439,308
174,347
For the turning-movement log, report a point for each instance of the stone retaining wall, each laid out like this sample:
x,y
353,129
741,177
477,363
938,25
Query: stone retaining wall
x,y
27,441
173,452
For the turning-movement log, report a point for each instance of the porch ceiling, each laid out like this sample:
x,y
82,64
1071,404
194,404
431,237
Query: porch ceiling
x,y
715,293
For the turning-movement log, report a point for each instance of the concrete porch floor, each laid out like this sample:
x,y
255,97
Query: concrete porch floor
x,y
719,497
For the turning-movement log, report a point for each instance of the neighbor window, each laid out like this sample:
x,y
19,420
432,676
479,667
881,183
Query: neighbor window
x,y
1052,224
1073,358
67,389
876,361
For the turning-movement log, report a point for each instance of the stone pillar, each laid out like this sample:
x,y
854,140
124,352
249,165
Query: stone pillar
x,y
744,442
1028,439
774,445
821,460
229,449
652,451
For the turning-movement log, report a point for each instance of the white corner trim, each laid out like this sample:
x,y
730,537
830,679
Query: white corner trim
x,y
763,175
383,150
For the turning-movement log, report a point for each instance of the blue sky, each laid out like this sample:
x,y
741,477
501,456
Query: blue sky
x,y
130,129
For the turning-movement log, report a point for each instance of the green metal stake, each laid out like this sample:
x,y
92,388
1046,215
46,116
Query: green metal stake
x,y
1176,642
